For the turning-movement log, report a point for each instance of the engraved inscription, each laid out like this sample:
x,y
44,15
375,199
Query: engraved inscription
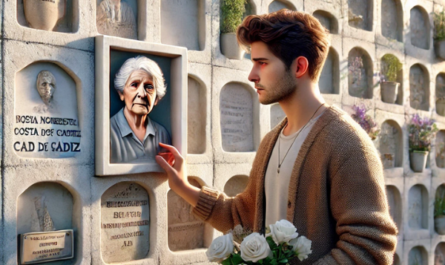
x,y
125,223
49,246
236,108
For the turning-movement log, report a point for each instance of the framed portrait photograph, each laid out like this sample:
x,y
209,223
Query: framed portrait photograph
x,y
141,97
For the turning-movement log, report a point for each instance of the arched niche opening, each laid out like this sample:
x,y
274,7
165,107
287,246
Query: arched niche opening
x,y
236,185
395,204
197,115
391,144
419,86
125,210
59,16
396,259
440,149
327,20
276,115
278,5
185,231
438,213
418,207
392,19
50,206
183,23
360,14
384,67
329,82
238,118
123,23
250,8
45,90
419,27
418,256
360,74
439,253
440,94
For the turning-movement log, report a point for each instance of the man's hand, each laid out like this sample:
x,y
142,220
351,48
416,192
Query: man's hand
x,y
173,164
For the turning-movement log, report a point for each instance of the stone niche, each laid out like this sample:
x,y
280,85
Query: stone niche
x,y
330,76
197,114
440,94
46,123
48,206
391,144
278,5
327,20
235,185
418,256
239,118
360,14
360,74
440,149
183,23
395,204
439,253
399,79
419,28
185,231
396,259
58,15
117,20
419,86
392,19
125,223
418,207
276,115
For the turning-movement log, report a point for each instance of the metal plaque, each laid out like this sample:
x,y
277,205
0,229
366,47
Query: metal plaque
x,y
46,246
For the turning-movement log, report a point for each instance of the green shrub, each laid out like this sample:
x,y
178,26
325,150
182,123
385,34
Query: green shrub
x,y
232,14
390,67
439,25
439,205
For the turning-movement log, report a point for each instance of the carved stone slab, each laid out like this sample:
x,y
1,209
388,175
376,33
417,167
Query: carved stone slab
x,y
125,223
46,246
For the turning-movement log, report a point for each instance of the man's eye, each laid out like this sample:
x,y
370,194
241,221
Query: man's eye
x,y
262,63
44,83
148,87
134,84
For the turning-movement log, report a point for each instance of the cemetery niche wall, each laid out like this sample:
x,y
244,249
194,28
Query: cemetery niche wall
x,y
59,60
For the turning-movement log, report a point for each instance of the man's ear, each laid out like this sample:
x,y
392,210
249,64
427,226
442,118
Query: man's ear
x,y
121,95
301,66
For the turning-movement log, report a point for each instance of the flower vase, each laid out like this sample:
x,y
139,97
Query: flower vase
x,y
439,48
230,47
389,91
42,14
418,160
439,224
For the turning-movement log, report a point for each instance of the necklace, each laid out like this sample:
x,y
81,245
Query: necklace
x,y
280,163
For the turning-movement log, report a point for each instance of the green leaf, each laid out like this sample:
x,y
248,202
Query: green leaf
x,y
236,259
226,262
284,260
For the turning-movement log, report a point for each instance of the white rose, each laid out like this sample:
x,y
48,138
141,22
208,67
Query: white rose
x,y
282,231
254,248
220,249
302,246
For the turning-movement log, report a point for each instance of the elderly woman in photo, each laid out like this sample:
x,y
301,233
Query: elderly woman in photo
x,y
134,137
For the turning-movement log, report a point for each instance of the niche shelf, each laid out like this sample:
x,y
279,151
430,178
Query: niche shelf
x,y
418,207
360,14
235,185
360,77
278,5
391,144
419,86
392,20
329,82
197,115
419,27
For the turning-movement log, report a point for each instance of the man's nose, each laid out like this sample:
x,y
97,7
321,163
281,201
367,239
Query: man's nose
x,y
253,76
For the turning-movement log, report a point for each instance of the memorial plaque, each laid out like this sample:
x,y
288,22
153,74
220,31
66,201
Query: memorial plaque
x,y
125,223
46,246
236,107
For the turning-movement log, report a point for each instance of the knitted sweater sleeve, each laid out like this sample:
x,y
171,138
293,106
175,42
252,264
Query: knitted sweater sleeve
x,y
366,232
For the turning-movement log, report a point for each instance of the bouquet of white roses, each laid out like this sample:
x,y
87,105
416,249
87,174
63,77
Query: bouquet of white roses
x,y
279,246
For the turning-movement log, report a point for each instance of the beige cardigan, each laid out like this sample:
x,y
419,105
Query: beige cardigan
x,y
337,195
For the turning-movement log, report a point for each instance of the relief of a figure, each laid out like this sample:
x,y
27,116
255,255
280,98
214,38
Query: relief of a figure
x,y
116,18
134,137
46,86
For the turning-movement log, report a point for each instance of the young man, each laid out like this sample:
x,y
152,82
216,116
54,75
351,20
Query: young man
x,y
318,168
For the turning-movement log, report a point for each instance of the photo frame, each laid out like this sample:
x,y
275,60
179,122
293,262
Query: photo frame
x,y
170,112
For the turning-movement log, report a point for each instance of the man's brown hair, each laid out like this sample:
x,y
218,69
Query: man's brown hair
x,y
288,35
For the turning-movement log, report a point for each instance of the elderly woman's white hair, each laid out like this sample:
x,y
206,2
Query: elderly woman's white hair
x,y
141,63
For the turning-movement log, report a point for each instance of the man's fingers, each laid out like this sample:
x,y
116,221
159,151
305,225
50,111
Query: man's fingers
x,y
161,161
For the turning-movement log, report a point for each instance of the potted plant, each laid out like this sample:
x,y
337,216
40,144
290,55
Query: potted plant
x,y
388,76
440,98
440,155
232,16
439,34
439,213
420,134
365,121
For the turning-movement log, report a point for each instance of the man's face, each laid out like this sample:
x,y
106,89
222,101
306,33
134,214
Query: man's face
x,y
139,93
272,81
46,87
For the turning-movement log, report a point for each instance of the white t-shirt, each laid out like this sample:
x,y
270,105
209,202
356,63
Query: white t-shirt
x,y
277,184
